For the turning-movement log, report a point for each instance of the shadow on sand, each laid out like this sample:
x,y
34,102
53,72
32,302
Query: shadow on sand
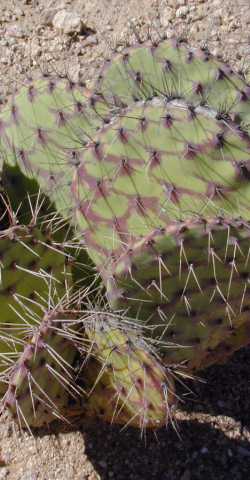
x,y
214,430
215,445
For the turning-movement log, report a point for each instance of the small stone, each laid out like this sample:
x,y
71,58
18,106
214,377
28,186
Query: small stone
x,y
204,450
90,40
16,31
49,13
215,51
35,49
12,41
229,452
68,22
220,403
3,473
4,42
166,16
216,20
170,33
29,476
19,12
182,11
103,464
73,72
186,475
244,452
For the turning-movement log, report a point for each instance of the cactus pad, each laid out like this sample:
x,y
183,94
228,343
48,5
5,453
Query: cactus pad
x,y
155,163
131,386
190,283
33,268
172,70
47,123
41,383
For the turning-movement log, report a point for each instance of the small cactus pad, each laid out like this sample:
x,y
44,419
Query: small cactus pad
x,y
46,124
131,386
33,269
172,70
41,385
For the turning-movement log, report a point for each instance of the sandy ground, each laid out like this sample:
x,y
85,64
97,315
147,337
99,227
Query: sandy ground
x,y
213,440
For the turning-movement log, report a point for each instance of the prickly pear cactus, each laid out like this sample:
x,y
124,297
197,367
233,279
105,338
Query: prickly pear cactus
x,y
152,169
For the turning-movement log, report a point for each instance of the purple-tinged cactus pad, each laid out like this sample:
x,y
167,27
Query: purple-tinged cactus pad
x,y
34,271
41,383
129,384
158,162
44,127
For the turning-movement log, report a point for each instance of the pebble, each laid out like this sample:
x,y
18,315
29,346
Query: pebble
x,y
204,450
73,72
48,13
35,49
29,476
3,473
182,11
216,20
19,12
229,452
166,16
90,40
244,452
186,475
68,22
180,3
16,31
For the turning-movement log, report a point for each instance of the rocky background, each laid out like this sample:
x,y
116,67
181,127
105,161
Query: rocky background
x,y
213,438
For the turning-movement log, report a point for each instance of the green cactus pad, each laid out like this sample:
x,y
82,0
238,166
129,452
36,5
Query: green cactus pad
x,y
41,383
32,270
172,70
158,162
189,283
131,387
43,129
